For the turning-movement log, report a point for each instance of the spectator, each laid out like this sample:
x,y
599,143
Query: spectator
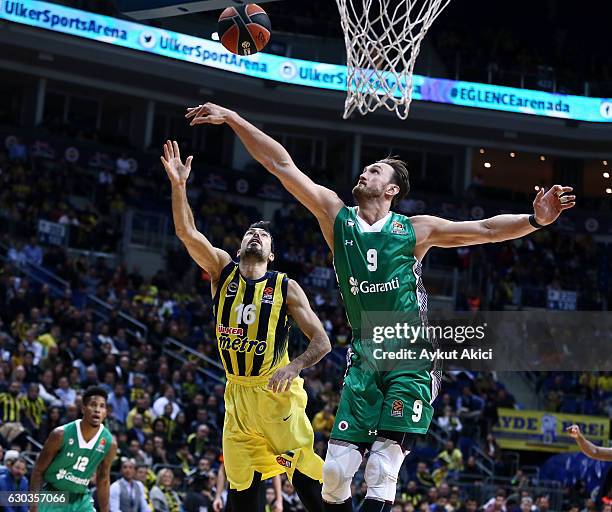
x,y
542,503
34,410
31,344
127,494
33,252
9,457
11,410
470,505
14,480
450,423
16,255
145,476
423,476
441,472
323,421
199,497
137,432
452,456
142,408
163,495
199,441
496,504
160,404
119,402
64,392
50,423
526,504
291,501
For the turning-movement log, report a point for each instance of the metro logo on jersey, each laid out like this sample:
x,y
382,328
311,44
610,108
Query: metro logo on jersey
x,y
242,344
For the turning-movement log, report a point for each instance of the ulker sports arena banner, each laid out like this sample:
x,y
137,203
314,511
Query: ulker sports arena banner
x,y
186,48
544,431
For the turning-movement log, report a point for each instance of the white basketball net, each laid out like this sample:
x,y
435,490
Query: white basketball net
x,y
383,39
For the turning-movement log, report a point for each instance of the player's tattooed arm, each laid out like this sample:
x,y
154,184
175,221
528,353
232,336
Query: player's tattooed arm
x,y
323,203
437,232
103,478
588,448
50,449
210,258
299,309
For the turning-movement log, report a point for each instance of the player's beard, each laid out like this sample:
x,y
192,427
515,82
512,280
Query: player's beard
x,y
362,193
253,253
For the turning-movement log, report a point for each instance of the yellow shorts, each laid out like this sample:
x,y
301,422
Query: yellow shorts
x,y
266,432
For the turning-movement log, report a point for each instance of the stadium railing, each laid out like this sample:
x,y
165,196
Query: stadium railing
x,y
209,367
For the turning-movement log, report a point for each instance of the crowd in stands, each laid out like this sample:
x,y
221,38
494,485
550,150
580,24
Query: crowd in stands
x,y
167,414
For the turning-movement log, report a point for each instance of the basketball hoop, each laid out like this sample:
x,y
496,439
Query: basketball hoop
x,y
383,39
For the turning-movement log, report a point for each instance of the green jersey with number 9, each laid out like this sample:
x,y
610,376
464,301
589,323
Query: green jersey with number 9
x,y
77,461
378,272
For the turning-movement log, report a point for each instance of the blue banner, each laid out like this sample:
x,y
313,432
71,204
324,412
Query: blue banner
x,y
294,71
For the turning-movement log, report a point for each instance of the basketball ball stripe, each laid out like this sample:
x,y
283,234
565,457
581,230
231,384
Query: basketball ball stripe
x,y
254,9
230,38
263,20
260,35
230,12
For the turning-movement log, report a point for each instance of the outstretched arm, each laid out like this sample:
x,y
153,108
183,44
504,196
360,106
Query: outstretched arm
x,y
588,448
210,258
103,478
436,232
322,202
300,310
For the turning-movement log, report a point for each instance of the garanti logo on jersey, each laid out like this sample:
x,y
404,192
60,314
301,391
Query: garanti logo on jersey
x,y
367,287
397,228
268,295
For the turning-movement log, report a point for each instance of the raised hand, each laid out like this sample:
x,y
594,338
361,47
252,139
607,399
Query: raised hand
x,y
548,206
175,169
209,113
574,431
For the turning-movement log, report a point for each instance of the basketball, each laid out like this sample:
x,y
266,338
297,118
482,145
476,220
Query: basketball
x,y
244,30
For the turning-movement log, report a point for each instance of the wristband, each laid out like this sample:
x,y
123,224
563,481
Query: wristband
x,y
534,222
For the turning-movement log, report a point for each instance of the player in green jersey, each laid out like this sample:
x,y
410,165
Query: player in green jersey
x,y
377,257
73,453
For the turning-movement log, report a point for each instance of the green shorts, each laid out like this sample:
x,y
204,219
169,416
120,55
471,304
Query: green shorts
x,y
77,503
374,401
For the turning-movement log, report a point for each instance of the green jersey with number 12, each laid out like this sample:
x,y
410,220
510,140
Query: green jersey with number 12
x,y
77,461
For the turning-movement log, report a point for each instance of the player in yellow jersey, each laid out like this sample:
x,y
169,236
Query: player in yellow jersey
x,y
266,431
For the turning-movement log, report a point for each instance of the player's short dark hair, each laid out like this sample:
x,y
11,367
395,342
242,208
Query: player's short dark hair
x,y
265,225
401,177
94,391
